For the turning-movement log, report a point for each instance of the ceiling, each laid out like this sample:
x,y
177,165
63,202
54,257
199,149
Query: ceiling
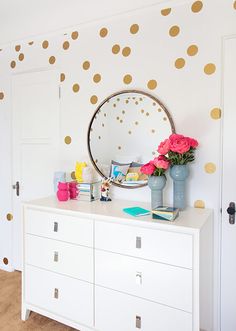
x,y
21,19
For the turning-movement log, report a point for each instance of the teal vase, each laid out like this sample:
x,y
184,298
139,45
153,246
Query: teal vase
x,y
156,184
179,173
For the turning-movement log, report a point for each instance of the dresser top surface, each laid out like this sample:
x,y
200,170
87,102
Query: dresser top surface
x,y
191,218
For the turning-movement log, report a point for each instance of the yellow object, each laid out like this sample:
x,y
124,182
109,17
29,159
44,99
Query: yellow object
x,y
132,176
79,171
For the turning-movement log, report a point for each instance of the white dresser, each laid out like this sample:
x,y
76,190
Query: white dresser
x,y
93,267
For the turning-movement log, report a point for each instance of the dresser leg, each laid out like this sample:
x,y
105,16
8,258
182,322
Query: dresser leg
x,y
25,313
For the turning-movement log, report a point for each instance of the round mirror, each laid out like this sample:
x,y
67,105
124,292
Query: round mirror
x,y
124,134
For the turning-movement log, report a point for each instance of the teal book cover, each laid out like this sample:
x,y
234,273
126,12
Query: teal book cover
x,y
136,211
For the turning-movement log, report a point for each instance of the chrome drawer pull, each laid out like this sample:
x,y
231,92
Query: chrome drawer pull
x,y
138,278
55,256
55,229
56,293
138,242
138,322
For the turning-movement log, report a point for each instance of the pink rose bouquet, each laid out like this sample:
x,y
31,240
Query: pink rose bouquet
x,y
156,167
178,149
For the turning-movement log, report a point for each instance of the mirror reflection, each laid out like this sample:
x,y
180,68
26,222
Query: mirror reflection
x,y
124,134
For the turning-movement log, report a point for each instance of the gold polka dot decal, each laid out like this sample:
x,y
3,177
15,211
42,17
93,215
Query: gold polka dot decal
x,y
67,140
73,175
21,57
5,261
234,5
9,217
180,63
76,88
165,11
17,48
115,49
103,32
62,77
197,6
210,168
1,95
199,204
216,113
66,45
75,35
13,64
152,84
192,50
93,99
97,78
174,31
209,68
126,51
86,65
45,44
52,60
30,43
127,79
134,28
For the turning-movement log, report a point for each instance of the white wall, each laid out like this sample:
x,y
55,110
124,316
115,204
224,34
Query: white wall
x,y
192,96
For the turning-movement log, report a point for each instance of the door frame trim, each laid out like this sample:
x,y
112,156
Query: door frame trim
x,y
224,39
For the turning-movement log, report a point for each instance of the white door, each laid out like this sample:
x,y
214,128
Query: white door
x,y
228,255
35,141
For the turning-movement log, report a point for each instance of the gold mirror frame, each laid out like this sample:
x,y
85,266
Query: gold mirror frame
x,y
96,112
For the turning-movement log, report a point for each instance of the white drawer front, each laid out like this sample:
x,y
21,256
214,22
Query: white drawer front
x,y
61,227
161,246
72,260
67,297
154,281
115,311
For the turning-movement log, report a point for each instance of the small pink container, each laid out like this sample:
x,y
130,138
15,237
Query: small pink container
x,y
72,185
63,195
62,186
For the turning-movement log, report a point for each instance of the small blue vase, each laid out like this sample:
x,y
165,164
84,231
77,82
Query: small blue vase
x,y
179,173
156,184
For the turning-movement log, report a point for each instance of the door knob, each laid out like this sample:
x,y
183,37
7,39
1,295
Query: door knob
x,y
16,187
231,211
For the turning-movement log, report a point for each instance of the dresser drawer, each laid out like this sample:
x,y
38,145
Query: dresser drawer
x,y
71,260
153,281
67,297
120,312
60,227
161,246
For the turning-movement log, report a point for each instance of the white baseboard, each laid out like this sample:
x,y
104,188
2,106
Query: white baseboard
x,y
6,268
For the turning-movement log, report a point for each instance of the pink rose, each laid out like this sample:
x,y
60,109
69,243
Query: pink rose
x,y
175,136
162,157
192,142
179,144
164,147
148,168
160,162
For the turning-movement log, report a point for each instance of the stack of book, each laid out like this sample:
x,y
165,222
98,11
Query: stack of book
x,y
165,213
89,191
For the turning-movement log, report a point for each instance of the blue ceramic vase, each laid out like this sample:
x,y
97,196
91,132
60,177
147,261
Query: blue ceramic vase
x,y
179,173
156,184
